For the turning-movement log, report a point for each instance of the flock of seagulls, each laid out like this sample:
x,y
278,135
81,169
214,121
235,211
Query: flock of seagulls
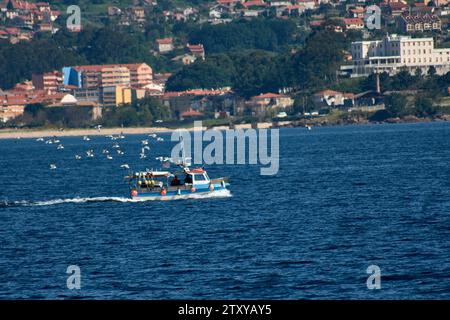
x,y
89,153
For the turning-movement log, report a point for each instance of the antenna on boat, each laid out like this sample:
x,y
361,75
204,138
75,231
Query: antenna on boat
x,y
185,161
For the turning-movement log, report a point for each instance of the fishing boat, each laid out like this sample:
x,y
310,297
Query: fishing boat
x,y
182,184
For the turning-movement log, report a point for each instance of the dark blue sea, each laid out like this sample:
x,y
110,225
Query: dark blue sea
x,y
344,198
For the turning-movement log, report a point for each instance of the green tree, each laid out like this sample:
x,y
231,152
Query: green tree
x,y
424,107
395,105
431,71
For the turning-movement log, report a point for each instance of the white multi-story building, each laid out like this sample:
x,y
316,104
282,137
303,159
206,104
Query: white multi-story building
x,y
395,53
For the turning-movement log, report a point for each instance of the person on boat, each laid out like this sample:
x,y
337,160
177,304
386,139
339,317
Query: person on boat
x,y
175,181
188,179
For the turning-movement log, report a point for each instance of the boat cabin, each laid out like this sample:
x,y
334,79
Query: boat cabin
x,y
158,180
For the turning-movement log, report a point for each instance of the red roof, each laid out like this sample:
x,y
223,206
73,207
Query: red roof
x,y
191,113
357,10
397,5
172,94
23,5
227,2
15,100
327,92
254,3
295,6
316,23
195,47
164,41
99,67
14,31
268,96
357,21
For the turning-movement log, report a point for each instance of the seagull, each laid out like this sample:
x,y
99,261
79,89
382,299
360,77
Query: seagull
x,y
52,166
144,142
86,138
56,141
109,157
142,154
77,157
120,152
159,139
90,153
125,166
60,147
159,159
105,151
99,127
153,135
116,146
39,139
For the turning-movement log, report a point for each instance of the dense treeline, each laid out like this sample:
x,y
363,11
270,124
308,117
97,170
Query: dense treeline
x,y
252,72
92,46
143,112
112,44
269,35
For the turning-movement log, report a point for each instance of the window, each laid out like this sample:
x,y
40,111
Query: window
x,y
199,177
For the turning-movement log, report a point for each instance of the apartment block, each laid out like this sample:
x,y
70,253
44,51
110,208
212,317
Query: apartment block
x,y
135,75
393,53
49,81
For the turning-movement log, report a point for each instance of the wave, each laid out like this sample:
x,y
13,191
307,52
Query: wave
x,y
78,200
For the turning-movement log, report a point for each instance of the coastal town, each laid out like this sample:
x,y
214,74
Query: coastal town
x,y
413,42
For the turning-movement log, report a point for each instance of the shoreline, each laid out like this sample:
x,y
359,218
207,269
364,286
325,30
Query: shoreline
x,y
45,133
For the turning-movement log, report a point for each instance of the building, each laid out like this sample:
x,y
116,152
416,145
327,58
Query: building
x,y
136,75
197,99
50,81
87,95
141,74
331,98
354,23
164,45
109,85
118,95
114,76
419,22
264,103
138,14
357,12
395,9
273,100
196,50
12,106
393,53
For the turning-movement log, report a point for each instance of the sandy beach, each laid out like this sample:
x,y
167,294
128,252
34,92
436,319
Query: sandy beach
x,y
37,133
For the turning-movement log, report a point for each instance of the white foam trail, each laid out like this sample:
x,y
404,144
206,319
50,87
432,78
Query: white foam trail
x,y
82,200
23,203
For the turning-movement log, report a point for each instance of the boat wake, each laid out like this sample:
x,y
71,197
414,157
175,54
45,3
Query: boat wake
x,y
6,203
